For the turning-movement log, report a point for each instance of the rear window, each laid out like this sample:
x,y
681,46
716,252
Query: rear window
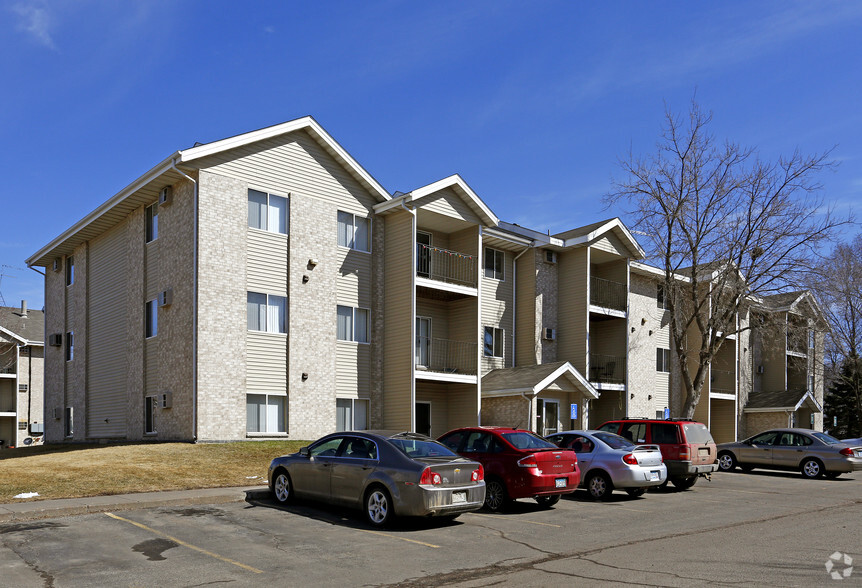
x,y
697,433
664,433
610,427
419,448
824,437
613,441
525,440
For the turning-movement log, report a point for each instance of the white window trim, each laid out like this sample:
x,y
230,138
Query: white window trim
x,y
154,206
267,396
502,278
493,342
286,212
155,303
154,404
353,400
355,216
70,271
664,355
352,339
286,313
69,350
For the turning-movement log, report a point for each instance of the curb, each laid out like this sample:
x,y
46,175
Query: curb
x,y
49,509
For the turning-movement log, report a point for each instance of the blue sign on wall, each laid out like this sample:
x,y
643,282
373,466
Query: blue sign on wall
x,y
574,411
666,413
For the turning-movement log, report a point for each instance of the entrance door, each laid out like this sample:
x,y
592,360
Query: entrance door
x,y
423,341
423,254
547,416
423,418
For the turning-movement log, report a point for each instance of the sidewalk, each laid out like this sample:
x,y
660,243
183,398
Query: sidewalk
x,y
31,510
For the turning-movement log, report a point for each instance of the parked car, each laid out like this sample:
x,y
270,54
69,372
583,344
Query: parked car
x,y
608,461
386,474
811,452
687,447
518,464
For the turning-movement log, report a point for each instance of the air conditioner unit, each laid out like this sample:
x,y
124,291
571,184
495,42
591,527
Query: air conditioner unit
x,y
166,297
23,387
57,264
166,399
550,256
166,195
58,413
550,334
760,369
55,339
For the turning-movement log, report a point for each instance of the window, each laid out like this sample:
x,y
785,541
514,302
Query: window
x,y
660,300
70,270
351,414
151,324
494,263
267,313
634,432
265,414
353,231
267,212
152,222
352,324
494,342
70,346
68,424
662,433
662,360
150,404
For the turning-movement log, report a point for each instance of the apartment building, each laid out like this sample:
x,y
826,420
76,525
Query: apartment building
x,y
21,376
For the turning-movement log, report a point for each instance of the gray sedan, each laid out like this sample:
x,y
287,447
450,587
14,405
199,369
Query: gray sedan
x,y
811,452
383,473
608,461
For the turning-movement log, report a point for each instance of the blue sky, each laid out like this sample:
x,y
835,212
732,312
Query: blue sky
x,y
532,103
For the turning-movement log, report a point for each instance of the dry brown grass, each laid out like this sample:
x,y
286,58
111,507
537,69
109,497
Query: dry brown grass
x,y
72,471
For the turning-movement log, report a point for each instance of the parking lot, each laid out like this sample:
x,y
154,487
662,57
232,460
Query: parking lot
x,y
771,529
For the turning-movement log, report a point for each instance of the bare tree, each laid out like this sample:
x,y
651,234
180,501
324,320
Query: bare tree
x,y
726,227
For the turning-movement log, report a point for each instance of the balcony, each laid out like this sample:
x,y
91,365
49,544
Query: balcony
x,y
7,371
722,382
443,265
446,356
607,294
607,369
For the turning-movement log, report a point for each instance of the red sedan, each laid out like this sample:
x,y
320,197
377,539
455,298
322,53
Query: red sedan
x,y
517,463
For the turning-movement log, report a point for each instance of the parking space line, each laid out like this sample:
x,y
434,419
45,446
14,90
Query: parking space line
x,y
528,522
399,538
185,544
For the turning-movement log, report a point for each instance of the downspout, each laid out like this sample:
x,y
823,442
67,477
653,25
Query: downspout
x,y
529,425
195,302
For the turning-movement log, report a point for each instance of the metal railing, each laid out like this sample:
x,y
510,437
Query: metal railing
x,y
607,294
607,369
445,356
7,370
447,266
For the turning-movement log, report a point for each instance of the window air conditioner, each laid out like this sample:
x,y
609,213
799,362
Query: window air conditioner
x,y
550,256
166,195
55,339
166,297
550,334
58,413
166,399
760,369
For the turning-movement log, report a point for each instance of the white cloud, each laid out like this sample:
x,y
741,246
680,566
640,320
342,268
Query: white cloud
x,y
36,22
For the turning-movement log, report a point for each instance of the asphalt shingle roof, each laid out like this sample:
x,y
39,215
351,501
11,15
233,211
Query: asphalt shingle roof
x,y
31,327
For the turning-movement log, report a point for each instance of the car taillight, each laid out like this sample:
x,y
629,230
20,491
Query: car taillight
x,y
478,475
846,451
429,477
528,462
684,453
630,459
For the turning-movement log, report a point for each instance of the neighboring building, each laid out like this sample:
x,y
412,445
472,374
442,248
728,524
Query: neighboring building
x,y
21,369
266,286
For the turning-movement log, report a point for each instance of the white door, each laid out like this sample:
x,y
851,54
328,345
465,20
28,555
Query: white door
x,y
423,341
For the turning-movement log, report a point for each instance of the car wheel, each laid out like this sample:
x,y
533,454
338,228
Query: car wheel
x,y
599,486
811,468
548,501
496,496
282,487
726,462
684,483
378,506
635,492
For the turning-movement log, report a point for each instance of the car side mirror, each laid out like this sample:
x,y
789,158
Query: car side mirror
x,y
303,451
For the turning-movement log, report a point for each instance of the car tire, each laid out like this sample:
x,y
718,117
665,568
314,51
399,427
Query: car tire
x,y
548,501
684,483
635,492
378,506
282,487
726,461
599,486
496,495
811,468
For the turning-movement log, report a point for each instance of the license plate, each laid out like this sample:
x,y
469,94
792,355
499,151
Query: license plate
x,y
560,482
459,497
653,476
703,451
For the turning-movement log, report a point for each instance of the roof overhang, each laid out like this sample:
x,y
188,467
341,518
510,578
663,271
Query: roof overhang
x,y
566,370
806,399
453,182
21,340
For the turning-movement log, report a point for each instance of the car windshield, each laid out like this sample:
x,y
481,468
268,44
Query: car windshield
x,y
697,433
527,440
613,440
420,448
829,439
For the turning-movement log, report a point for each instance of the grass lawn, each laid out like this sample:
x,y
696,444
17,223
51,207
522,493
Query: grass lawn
x,y
71,471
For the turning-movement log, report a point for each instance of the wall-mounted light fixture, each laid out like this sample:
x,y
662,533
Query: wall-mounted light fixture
x,y
305,279
632,396
312,262
643,321
304,376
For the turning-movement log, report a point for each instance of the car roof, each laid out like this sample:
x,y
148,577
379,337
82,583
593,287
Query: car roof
x,y
493,429
649,420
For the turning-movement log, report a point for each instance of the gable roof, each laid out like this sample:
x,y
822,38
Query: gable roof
x,y
454,182
29,329
532,379
144,190
581,236
781,400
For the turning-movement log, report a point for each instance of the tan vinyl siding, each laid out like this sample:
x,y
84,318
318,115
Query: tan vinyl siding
x,y
463,318
438,312
354,278
661,398
353,369
463,405
573,308
608,337
266,270
466,241
610,243
108,369
497,311
447,203
399,319
527,331
293,163
723,422
266,361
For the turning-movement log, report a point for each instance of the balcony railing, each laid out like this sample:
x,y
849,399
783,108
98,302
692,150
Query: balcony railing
x,y
607,369
446,356
7,370
447,266
607,294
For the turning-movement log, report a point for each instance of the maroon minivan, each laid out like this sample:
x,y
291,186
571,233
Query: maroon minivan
x,y
518,464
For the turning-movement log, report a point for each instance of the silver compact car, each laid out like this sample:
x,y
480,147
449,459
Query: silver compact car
x,y
385,474
609,461
811,452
